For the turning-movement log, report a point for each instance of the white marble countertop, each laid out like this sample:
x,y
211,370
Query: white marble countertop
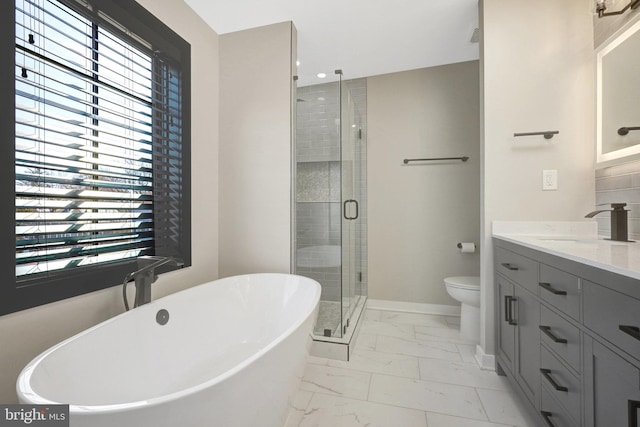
x,y
576,241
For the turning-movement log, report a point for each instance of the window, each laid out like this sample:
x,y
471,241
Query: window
x,y
99,168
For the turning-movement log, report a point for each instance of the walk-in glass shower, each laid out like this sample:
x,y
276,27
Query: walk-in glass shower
x,y
330,206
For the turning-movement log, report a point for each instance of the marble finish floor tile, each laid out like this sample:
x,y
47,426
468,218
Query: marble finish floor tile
x,y
468,352
414,347
372,314
414,319
453,321
398,365
337,381
332,411
380,328
427,396
460,373
365,342
298,408
440,420
406,370
505,407
449,334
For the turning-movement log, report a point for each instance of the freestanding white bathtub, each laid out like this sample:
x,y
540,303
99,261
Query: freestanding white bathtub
x,y
231,354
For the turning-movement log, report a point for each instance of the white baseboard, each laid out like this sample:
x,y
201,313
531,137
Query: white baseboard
x,y
413,307
487,362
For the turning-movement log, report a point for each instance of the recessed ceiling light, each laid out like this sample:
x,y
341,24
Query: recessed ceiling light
x,y
321,75
321,98
297,63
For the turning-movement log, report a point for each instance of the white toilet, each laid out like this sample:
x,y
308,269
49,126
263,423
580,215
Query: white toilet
x,y
466,289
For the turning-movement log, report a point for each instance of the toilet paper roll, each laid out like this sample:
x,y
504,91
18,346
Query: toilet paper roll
x,y
467,247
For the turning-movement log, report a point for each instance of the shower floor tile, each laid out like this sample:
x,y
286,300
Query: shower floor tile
x,y
380,385
328,318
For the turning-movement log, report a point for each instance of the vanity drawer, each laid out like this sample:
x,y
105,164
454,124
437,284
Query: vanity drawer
x,y
520,269
561,336
560,383
614,316
561,290
553,414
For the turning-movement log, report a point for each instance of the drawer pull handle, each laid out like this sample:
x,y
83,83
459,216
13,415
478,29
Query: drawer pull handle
x,y
509,266
547,332
546,416
634,405
634,331
548,287
547,374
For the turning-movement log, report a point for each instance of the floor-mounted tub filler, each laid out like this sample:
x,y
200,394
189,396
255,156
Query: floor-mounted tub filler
x,y
226,353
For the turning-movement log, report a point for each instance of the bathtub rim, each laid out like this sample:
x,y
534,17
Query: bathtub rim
x,y
23,387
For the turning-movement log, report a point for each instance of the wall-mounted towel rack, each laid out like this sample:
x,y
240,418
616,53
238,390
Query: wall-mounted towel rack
x,y
625,130
547,134
463,158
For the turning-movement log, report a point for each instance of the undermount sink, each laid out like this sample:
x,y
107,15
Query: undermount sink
x,y
558,239
584,241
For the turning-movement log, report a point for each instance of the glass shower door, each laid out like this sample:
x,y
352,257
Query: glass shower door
x,y
350,207
330,200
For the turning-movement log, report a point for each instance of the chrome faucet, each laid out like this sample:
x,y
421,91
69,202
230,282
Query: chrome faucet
x,y
618,221
144,277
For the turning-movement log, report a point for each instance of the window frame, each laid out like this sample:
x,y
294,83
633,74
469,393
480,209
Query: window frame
x,y
65,284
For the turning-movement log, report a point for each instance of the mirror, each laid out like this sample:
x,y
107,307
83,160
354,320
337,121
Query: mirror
x,y
618,95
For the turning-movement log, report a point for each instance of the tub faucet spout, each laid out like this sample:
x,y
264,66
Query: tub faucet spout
x,y
145,276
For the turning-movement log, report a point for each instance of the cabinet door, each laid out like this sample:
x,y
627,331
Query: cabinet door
x,y
612,388
506,325
527,318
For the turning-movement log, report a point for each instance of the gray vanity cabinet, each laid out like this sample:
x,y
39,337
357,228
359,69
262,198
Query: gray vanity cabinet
x,y
612,388
568,337
519,336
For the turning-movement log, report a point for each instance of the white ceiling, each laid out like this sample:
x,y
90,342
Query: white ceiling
x,y
361,37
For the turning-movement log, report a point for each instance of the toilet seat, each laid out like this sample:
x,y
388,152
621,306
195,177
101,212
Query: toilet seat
x,y
470,283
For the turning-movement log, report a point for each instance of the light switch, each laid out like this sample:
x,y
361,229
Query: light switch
x,y
549,179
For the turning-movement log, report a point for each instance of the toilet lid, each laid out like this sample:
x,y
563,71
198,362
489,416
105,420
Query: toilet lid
x,y
464,282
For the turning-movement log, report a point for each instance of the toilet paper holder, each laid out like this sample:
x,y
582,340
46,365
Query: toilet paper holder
x,y
460,246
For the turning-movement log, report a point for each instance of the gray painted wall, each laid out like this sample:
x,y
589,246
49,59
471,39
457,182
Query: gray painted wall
x,y
256,88
549,86
418,213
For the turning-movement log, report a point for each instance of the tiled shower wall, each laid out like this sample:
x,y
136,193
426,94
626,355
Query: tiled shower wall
x,y
318,215
619,184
